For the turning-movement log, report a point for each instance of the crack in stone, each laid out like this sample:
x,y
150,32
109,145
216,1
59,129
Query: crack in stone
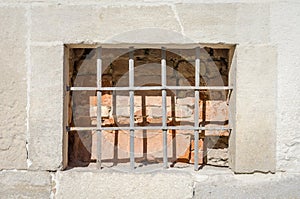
x,y
178,19
28,66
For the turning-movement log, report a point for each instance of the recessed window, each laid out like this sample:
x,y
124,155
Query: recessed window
x,y
137,107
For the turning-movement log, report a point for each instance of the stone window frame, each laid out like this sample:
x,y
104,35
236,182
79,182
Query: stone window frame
x,y
131,88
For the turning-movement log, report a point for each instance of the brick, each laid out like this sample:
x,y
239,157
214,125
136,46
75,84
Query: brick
x,y
106,100
105,111
200,157
118,145
181,111
185,101
216,110
200,152
155,112
13,87
152,101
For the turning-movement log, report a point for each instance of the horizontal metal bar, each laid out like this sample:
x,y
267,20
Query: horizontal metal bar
x,y
150,128
185,45
145,88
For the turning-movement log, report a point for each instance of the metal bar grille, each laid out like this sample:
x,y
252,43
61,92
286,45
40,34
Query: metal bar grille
x,y
196,128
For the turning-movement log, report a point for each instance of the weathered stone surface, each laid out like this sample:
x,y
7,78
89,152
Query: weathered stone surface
x,y
25,184
285,34
123,2
13,88
247,186
200,20
46,105
218,157
72,184
27,1
233,23
95,23
255,109
252,23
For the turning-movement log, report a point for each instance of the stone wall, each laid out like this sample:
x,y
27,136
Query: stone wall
x,y
266,102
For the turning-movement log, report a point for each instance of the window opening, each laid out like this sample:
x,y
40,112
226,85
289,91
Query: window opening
x,y
99,77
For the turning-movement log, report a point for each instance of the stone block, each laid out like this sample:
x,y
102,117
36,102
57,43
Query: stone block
x,y
95,23
248,186
46,107
25,184
185,101
231,23
199,21
217,157
255,109
72,184
85,81
253,23
13,88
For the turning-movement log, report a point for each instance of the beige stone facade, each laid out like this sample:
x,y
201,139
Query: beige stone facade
x,y
264,106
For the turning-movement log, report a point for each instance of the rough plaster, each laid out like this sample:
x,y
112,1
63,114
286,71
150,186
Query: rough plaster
x,y
285,34
270,23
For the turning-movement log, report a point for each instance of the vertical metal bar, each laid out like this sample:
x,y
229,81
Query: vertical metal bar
x,y
99,95
116,144
131,96
196,111
164,106
144,112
